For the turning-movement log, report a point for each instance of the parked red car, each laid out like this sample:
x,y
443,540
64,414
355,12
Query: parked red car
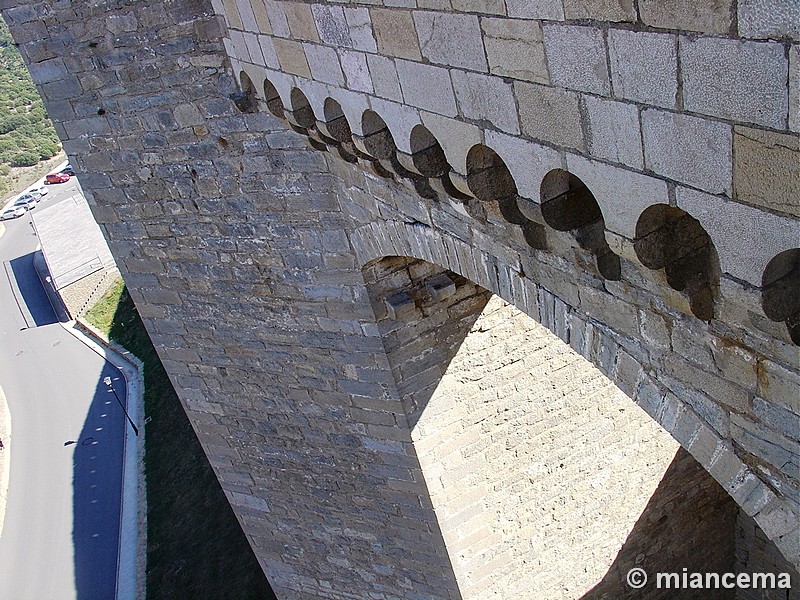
x,y
56,178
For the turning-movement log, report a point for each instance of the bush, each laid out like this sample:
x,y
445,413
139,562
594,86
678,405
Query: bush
x,y
24,159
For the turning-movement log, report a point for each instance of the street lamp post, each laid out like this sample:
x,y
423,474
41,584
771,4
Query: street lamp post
x,y
107,381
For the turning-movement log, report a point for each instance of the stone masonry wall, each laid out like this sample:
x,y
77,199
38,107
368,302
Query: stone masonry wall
x,y
625,174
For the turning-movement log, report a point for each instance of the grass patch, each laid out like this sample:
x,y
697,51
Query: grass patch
x,y
195,547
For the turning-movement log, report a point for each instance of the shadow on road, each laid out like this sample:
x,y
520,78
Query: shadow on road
x,y
31,296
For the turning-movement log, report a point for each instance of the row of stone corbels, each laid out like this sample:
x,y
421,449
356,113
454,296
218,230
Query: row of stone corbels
x,y
622,195
615,355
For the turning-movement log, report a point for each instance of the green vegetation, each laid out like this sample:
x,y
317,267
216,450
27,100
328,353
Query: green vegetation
x,y
195,547
26,134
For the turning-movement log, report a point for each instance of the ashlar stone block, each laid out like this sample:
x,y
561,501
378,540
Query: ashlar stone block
x,y
360,27
487,7
332,25
613,131
794,88
384,77
689,15
483,97
232,14
261,16
769,19
551,10
600,10
452,40
688,149
427,87
301,21
455,137
324,64
291,57
395,33
766,169
356,71
550,114
515,48
577,58
741,81
644,66
527,161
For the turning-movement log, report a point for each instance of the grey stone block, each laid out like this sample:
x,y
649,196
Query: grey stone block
x,y
794,88
452,40
400,305
486,98
576,56
613,131
600,10
384,77
356,72
741,81
515,48
644,66
395,33
331,25
324,64
769,19
427,87
551,10
550,114
688,15
440,287
688,149
360,26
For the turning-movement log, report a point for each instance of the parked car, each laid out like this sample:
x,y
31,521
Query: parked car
x,y
26,201
68,170
41,191
12,213
56,178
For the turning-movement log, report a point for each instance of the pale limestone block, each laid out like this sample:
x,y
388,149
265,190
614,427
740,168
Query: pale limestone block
x,y
332,25
248,16
766,169
354,65
743,256
769,19
576,56
613,131
283,83
240,43
254,48
384,77
324,64
455,137
400,119
483,97
427,87
550,10
550,114
230,48
740,81
268,52
485,7
360,27
515,49
261,17
794,88
527,161
395,33
277,18
451,40
689,15
353,106
600,10
315,93
644,66
301,21
622,195
232,14
688,149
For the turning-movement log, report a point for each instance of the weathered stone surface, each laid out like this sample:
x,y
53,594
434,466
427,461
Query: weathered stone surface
x,y
613,131
291,57
485,98
527,161
600,10
455,137
551,10
794,88
515,49
384,77
453,40
331,25
550,114
356,71
489,7
261,16
576,56
360,27
774,19
395,33
688,149
427,87
705,17
324,64
755,88
301,21
766,170
644,66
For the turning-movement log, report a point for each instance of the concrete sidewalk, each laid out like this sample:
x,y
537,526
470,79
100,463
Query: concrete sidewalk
x,y
5,454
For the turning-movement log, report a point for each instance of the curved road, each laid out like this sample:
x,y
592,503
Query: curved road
x,y
61,528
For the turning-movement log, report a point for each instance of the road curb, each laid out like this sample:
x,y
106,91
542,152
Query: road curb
x,y
5,455
131,565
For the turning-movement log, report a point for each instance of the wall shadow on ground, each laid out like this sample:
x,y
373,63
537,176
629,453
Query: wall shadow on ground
x,y
36,307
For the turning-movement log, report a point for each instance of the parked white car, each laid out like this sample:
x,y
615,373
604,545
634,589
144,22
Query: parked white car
x,y
12,213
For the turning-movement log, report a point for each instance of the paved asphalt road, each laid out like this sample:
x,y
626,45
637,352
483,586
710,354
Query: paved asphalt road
x,y
61,529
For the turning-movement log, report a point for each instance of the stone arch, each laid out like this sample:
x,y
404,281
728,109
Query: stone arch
x,y
671,239
780,291
273,100
335,125
428,159
245,100
491,182
567,204
377,140
625,366
300,114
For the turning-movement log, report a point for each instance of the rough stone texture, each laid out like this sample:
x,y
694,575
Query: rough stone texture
x,y
794,88
714,16
774,19
613,131
324,64
688,149
453,40
515,49
766,171
644,67
486,98
758,92
550,115
577,58
600,10
301,21
262,240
